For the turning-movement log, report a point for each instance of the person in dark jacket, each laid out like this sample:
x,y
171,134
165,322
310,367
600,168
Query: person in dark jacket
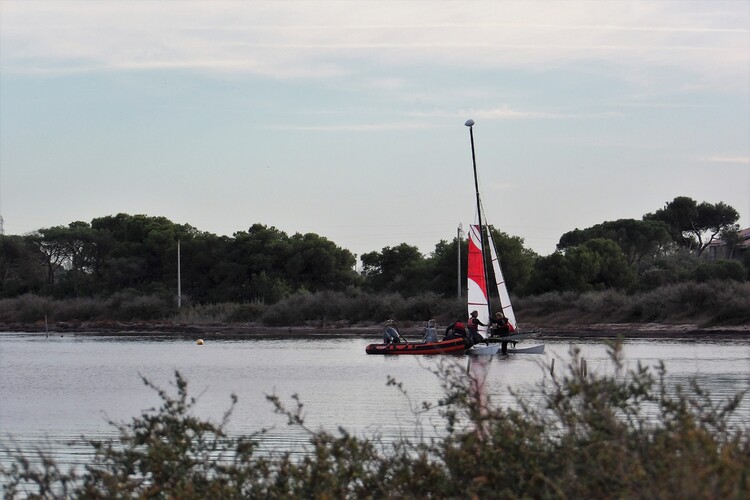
x,y
454,330
502,328
500,325
391,334
474,324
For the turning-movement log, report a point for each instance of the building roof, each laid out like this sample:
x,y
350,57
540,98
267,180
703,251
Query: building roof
x,y
744,239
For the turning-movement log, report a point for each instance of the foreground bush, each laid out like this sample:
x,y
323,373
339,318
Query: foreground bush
x,y
622,435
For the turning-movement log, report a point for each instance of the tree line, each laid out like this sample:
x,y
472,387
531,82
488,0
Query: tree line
x,y
263,264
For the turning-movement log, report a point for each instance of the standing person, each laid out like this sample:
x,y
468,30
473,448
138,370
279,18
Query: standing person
x,y
391,334
430,334
474,324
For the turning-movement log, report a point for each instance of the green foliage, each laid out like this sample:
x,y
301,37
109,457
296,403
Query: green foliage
x,y
123,306
265,265
517,262
720,270
353,306
20,272
596,264
710,303
617,435
695,225
398,269
715,302
637,239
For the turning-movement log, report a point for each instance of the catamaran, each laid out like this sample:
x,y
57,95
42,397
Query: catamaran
x,y
476,273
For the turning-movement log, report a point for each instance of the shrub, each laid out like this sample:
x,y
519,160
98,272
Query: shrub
x,y
130,305
720,270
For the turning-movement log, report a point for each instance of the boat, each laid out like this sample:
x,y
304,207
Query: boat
x,y
532,349
476,273
477,298
476,291
456,345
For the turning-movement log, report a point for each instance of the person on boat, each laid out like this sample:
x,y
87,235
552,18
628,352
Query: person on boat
x,y
430,333
502,328
455,330
474,324
500,325
391,334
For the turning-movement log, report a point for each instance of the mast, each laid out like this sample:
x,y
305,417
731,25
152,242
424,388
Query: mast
x,y
470,123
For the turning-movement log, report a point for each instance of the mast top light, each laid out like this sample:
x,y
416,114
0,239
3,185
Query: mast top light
x,y
469,123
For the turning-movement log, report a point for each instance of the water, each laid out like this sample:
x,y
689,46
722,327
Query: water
x,y
53,390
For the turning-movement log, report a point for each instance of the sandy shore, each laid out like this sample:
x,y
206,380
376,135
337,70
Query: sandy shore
x,y
602,330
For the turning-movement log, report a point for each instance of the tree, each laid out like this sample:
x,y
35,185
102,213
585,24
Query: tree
x,y
397,269
516,261
20,268
636,238
52,251
442,268
594,265
551,273
316,264
695,225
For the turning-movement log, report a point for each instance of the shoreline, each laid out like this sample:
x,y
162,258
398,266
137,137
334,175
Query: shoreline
x,y
242,330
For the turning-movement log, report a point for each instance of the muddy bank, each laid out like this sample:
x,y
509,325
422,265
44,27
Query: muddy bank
x,y
235,330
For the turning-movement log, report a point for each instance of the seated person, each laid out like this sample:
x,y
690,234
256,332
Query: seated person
x,y
391,334
454,330
430,334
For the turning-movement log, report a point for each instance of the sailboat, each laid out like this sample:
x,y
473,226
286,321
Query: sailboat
x,y
476,273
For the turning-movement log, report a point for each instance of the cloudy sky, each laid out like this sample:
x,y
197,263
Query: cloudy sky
x,y
346,119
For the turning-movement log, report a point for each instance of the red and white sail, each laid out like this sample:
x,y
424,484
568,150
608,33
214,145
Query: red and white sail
x,y
476,282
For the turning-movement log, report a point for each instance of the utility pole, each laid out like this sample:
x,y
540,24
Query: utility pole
x,y
179,278
458,245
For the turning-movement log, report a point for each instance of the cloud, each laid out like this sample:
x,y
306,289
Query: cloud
x,y
308,39
741,160
503,113
356,127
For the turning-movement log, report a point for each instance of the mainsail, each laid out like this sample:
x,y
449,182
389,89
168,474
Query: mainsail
x,y
476,283
502,290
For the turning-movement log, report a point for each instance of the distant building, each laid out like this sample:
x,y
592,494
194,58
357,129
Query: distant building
x,y
721,249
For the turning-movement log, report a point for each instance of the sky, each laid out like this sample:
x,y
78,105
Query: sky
x,y
346,118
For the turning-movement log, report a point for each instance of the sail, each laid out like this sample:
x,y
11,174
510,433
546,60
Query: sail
x,y
477,286
502,290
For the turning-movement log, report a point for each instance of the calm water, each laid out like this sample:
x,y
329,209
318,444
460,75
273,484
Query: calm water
x,y
58,388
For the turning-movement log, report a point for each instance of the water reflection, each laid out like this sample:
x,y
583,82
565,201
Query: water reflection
x,y
54,390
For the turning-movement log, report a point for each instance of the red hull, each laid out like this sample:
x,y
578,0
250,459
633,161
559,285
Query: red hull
x,y
443,347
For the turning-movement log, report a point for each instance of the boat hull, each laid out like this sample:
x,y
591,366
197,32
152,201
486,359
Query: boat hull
x,y
509,338
533,349
456,345
484,350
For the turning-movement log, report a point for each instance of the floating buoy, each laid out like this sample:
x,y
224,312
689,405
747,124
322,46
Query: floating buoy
x,y
200,342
